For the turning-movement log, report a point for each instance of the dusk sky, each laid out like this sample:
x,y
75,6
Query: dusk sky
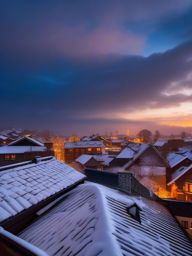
x,y
94,66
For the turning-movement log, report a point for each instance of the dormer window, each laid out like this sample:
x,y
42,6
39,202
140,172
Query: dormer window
x,y
134,212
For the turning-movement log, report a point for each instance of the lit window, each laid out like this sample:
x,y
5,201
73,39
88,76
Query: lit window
x,y
13,157
10,157
184,224
89,149
98,149
7,157
188,187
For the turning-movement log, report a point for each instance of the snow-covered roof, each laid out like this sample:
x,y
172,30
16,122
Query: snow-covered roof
x,y
186,152
20,149
84,144
141,149
160,143
175,158
126,153
3,137
179,173
104,158
38,143
95,220
24,186
83,159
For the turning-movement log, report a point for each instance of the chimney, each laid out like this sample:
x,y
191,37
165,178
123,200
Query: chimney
x,y
36,160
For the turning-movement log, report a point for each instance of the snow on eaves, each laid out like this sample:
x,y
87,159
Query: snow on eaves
x,y
24,186
175,158
179,173
93,220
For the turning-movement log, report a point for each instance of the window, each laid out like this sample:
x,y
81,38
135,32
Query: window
x,y
184,224
188,187
89,149
98,149
10,157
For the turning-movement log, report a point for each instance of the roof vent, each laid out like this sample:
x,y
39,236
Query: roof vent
x,y
36,160
134,212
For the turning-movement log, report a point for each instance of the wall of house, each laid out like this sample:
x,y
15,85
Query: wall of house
x,y
6,159
92,163
70,154
150,170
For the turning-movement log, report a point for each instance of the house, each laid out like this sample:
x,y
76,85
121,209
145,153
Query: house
x,y
125,156
73,150
95,220
23,149
146,163
26,187
99,162
150,169
180,183
88,161
3,140
169,145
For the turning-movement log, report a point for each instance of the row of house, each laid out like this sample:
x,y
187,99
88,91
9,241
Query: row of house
x,y
167,175
47,208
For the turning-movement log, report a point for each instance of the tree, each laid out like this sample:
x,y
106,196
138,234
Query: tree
x,y
145,135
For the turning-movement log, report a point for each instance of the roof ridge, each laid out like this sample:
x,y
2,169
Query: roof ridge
x,y
106,222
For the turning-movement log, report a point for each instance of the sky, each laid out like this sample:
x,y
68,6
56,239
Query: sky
x,y
95,66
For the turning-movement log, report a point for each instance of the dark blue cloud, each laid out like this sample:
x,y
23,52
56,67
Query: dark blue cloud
x,y
63,62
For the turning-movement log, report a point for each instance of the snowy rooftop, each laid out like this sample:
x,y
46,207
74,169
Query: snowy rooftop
x,y
24,186
140,150
84,144
186,152
20,149
160,143
104,158
94,220
175,158
179,173
83,159
38,143
127,153
3,137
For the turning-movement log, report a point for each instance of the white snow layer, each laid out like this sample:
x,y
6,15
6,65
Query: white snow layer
x,y
24,186
93,220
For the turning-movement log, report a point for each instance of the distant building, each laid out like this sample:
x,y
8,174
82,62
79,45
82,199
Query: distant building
x,y
88,161
168,145
73,150
23,149
99,162
3,140
146,164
